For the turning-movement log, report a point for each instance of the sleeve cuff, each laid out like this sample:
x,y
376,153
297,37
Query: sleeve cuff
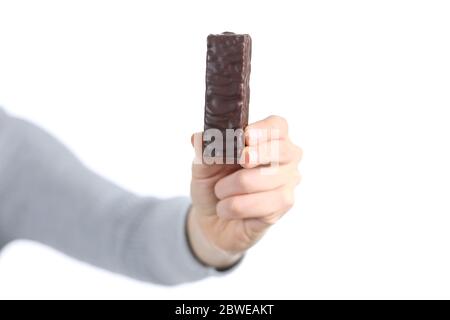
x,y
186,252
211,271
165,254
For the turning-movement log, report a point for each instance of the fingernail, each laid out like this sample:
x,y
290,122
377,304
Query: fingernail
x,y
247,157
244,158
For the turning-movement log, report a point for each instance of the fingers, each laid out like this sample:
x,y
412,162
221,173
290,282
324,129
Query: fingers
x,y
252,181
256,198
271,152
271,128
266,140
268,206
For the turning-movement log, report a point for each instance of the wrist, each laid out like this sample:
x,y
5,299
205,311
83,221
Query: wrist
x,y
203,247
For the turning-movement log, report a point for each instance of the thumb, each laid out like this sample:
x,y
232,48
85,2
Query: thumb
x,y
197,144
201,170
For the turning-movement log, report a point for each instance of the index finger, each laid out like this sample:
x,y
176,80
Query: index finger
x,y
271,128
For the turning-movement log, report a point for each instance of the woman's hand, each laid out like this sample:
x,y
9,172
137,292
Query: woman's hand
x,y
233,205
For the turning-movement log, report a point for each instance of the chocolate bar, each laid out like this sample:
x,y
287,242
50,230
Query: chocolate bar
x,y
227,93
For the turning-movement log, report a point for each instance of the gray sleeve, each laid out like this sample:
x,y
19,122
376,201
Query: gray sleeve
x,y
47,195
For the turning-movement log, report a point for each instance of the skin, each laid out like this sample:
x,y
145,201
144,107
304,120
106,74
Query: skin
x,y
234,205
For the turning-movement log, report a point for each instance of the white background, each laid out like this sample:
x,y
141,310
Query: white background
x,y
364,85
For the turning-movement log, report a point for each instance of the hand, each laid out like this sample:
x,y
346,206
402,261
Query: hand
x,y
233,205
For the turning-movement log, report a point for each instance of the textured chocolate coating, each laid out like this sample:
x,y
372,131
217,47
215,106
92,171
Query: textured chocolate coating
x,y
227,87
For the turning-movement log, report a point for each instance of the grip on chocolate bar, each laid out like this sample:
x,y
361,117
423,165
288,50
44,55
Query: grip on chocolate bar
x,y
227,95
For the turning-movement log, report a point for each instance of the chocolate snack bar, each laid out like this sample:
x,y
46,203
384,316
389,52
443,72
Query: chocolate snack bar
x,y
227,92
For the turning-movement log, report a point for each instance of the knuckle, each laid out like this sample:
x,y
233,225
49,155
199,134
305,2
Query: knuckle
x,y
287,199
284,151
279,121
296,177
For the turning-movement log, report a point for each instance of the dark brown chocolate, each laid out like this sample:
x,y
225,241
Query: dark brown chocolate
x,y
227,89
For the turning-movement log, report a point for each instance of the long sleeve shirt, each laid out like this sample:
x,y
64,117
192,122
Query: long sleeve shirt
x,y
47,195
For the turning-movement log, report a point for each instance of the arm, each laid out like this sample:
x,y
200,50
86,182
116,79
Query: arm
x,y
47,195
